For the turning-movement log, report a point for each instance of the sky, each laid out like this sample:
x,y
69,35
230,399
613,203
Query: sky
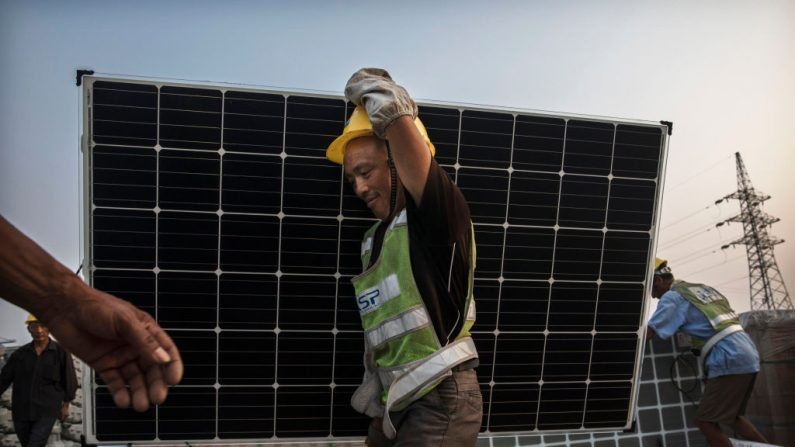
x,y
722,71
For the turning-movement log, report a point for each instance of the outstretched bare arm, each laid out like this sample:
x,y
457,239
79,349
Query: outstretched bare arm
x,y
123,344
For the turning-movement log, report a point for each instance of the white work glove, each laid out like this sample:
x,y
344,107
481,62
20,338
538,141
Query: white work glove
x,y
384,100
367,397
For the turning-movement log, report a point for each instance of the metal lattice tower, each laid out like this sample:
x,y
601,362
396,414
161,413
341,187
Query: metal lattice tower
x,y
768,290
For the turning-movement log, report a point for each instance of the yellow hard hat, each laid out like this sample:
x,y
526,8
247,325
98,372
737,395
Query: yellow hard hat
x,y
359,126
31,319
661,267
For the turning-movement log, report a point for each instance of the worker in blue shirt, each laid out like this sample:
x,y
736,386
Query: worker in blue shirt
x,y
729,358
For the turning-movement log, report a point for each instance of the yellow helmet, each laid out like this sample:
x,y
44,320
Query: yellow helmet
x,y
661,267
31,319
359,126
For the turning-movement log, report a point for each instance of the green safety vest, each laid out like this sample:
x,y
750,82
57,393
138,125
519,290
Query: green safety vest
x,y
711,303
408,357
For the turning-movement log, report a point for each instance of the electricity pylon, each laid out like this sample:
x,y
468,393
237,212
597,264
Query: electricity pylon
x,y
768,290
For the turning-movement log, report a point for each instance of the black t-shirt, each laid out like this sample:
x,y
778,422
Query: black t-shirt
x,y
440,246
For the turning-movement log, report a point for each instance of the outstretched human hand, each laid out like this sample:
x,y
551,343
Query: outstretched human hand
x,y
123,344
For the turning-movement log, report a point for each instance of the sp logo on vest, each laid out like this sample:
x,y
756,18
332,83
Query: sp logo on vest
x,y
368,299
705,294
371,299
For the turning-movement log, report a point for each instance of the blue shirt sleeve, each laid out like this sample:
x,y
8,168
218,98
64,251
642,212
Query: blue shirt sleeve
x,y
670,314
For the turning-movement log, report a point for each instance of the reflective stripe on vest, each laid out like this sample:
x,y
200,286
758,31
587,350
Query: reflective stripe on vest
x,y
427,373
471,310
715,322
367,245
400,219
714,341
406,322
389,375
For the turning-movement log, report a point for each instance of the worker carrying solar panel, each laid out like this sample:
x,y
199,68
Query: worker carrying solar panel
x,y
415,293
728,355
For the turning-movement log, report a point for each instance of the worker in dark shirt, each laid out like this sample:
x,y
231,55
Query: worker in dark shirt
x,y
44,383
415,294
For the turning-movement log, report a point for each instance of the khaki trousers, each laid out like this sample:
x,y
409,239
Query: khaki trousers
x,y
448,416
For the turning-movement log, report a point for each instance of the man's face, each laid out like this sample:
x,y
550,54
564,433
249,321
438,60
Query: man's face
x,y
659,286
38,331
367,171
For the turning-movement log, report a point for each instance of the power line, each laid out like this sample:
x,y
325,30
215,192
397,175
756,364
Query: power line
x,y
700,210
682,239
688,233
713,166
714,266
695,254
745,277
688,259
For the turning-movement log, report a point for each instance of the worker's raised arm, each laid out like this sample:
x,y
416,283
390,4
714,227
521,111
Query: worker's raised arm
x,y
411,156
392,111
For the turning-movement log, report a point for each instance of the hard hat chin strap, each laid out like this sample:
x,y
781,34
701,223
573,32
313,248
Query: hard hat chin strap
x,y
393,179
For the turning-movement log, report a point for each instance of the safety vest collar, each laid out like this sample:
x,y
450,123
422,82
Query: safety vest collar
x,y
400,220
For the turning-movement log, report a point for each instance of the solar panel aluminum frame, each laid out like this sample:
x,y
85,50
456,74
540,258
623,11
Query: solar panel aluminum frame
x,y
89,383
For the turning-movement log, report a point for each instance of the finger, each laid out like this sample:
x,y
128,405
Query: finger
x,y
134,377
134,329
158,390
174,369
117,387
115,357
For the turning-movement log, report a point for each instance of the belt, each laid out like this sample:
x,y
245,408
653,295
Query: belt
x,y
469,364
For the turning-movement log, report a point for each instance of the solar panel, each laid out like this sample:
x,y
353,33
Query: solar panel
x,y
214,210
